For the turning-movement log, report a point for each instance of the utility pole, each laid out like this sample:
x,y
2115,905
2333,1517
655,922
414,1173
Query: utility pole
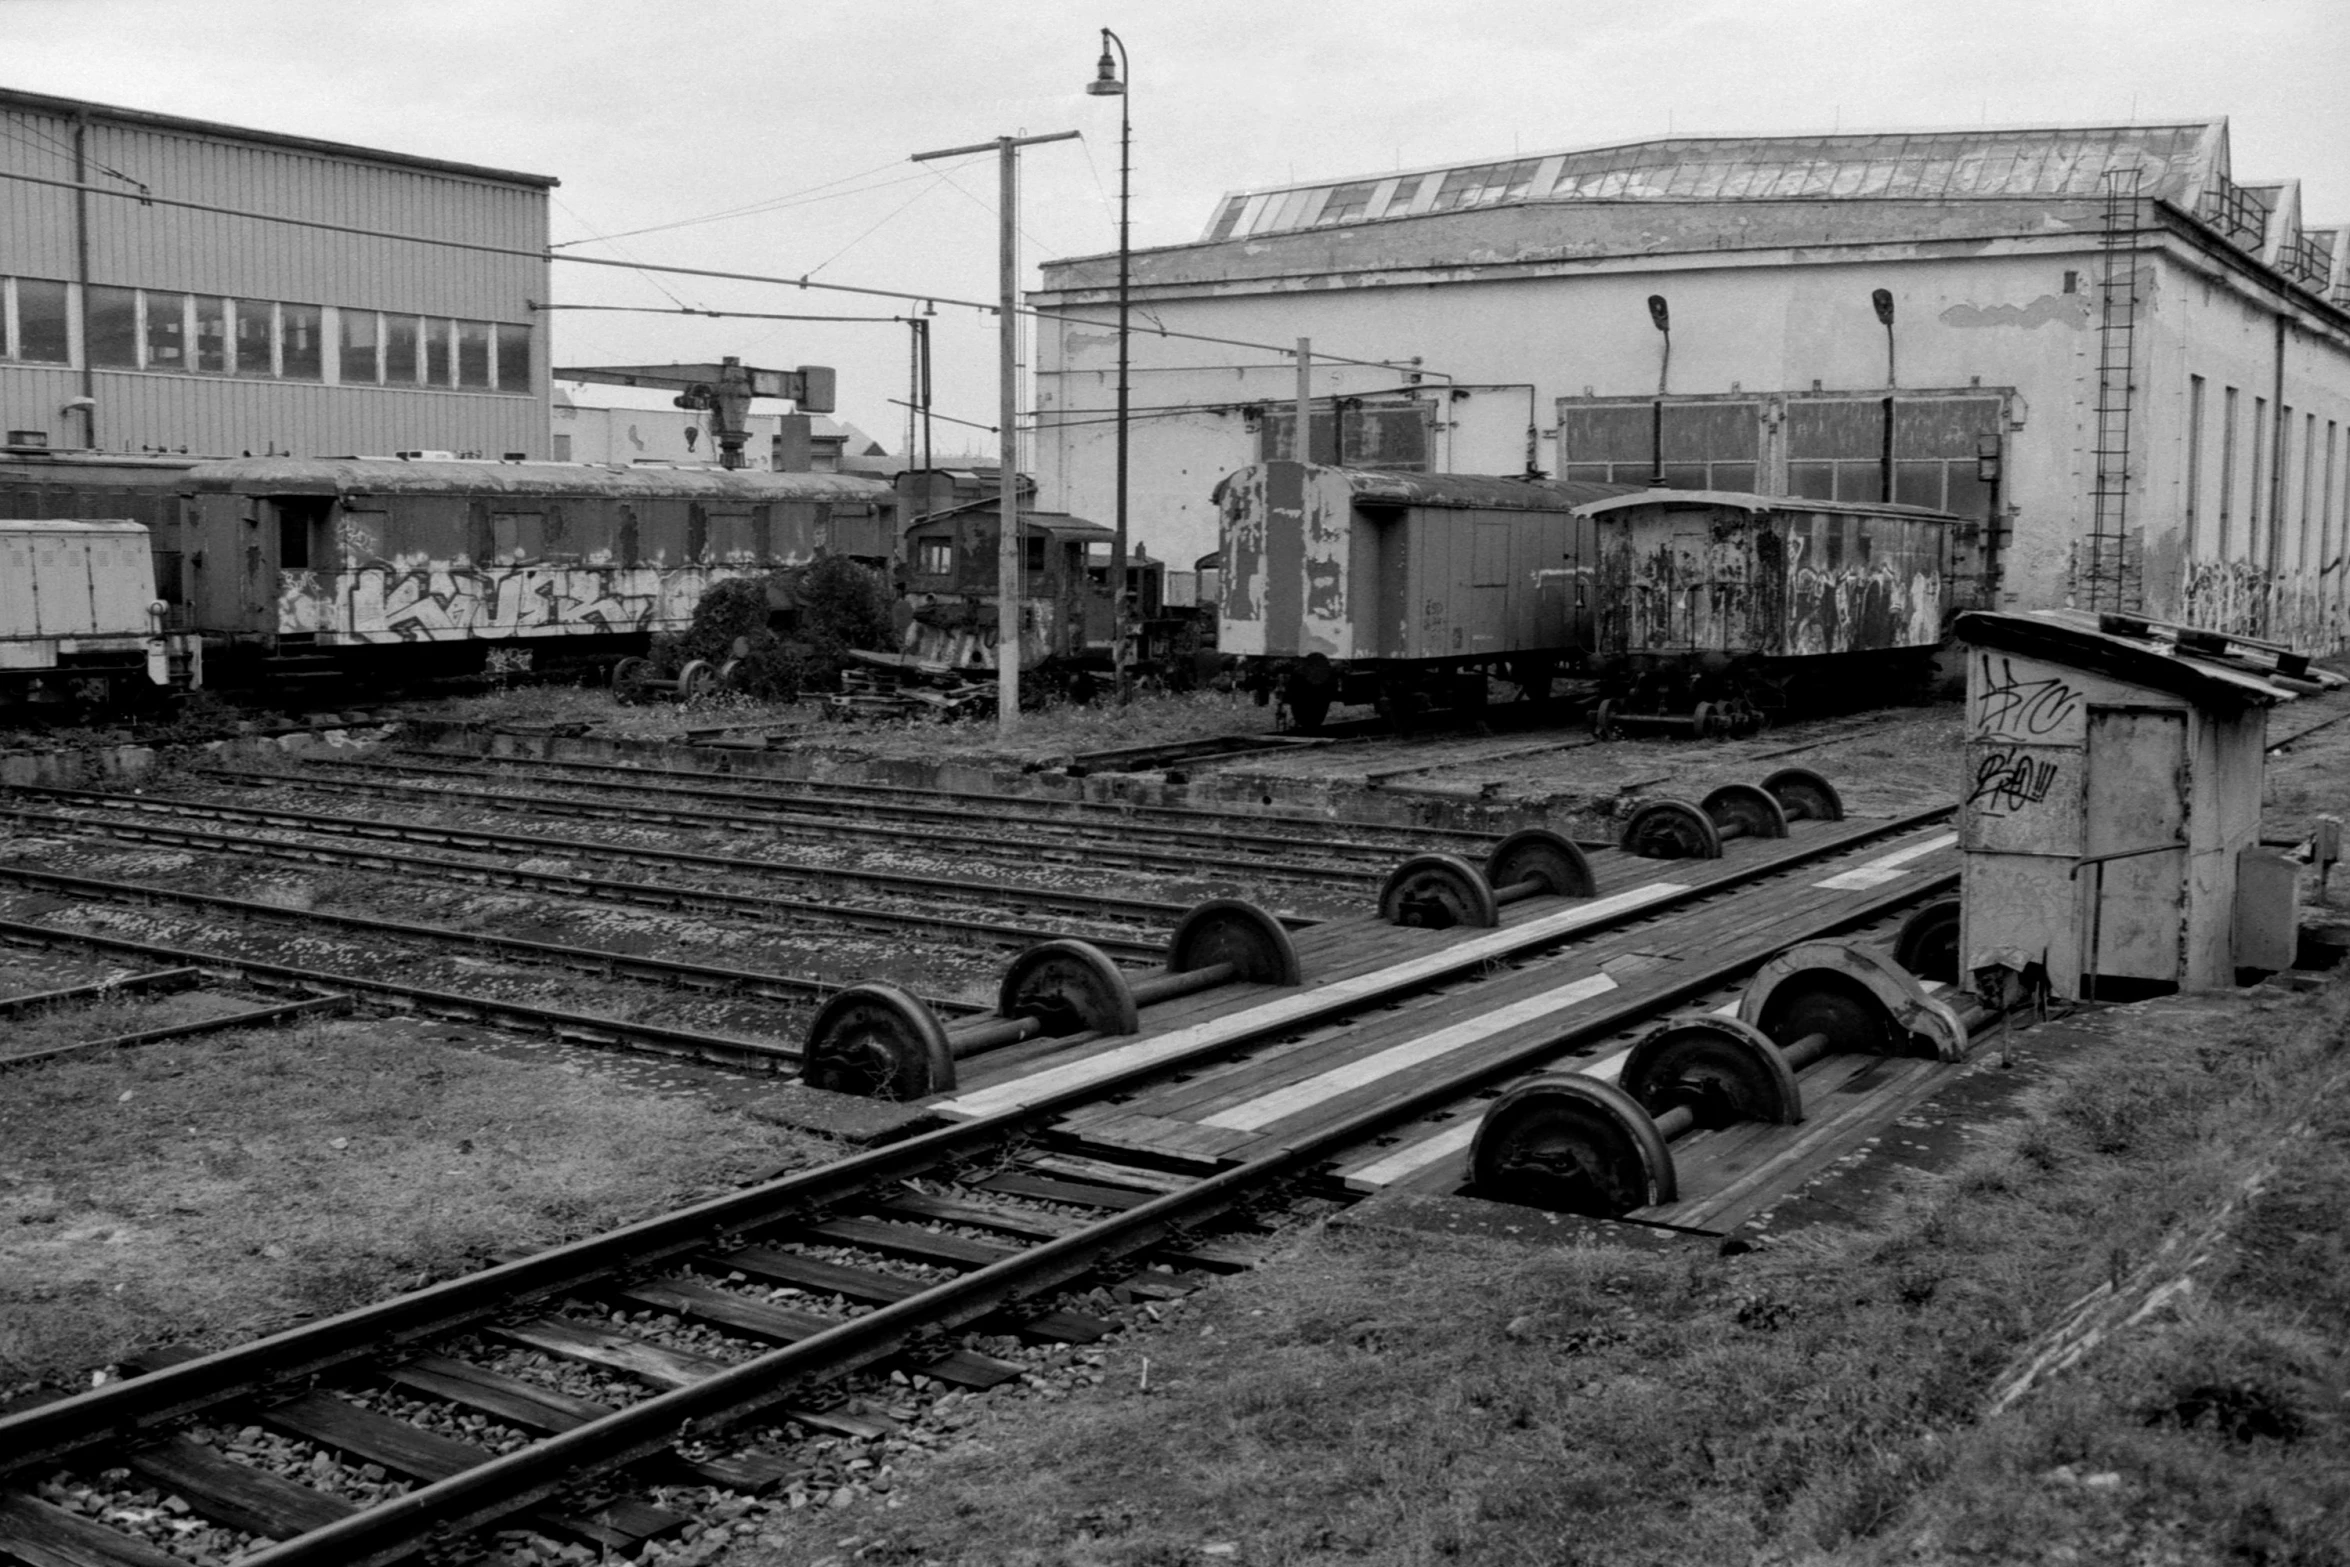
x,y
1007,636
1108,82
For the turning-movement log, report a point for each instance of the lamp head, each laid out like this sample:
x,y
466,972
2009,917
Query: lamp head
x,y
1105,83
1658,313
1882,298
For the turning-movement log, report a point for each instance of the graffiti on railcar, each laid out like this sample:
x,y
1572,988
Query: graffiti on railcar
x,y
1787,584
430,601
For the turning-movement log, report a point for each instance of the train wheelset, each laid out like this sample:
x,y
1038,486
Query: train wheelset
x,y
1676,829
1574,1142
879,1040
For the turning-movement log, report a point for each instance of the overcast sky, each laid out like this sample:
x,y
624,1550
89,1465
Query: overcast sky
x,y
656,111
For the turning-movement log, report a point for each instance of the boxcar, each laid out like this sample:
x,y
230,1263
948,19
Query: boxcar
x,y
433,561
1401,589
1714,607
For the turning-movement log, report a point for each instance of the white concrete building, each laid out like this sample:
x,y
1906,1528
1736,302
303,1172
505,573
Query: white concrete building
x,y
2127,368
596,422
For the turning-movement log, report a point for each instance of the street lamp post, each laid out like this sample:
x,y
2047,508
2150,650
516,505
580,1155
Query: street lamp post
x,y
1110,82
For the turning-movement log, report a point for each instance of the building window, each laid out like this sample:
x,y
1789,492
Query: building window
x,y
2227,472
113,327
1707,446
513,357
432,353
302,352
256,337
1390,435
167,331
360,333
1228,218
212,339
33,321
2308,471
935,558
403,351
473,353
1348,203
2255,512
2325,503
1481,186
2194,507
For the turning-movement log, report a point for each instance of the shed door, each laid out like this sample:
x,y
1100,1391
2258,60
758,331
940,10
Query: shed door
x,y
2134,797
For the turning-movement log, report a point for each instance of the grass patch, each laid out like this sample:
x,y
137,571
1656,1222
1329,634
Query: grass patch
x,y
208,1192
1380,1400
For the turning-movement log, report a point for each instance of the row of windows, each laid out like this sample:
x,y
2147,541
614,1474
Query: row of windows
x,y
1836,447
209,334
2247,522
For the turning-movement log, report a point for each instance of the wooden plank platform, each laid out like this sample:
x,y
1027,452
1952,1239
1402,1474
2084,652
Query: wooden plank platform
x,y
1577,996
1351,962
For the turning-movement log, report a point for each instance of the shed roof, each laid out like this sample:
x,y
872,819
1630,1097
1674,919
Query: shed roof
x,y
2073,638
2173,161
1474,491
42,103
390,476
1758,503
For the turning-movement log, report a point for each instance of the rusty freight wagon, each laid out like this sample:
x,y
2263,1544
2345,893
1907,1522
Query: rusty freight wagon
x,y
368,560
1711,608
1406,590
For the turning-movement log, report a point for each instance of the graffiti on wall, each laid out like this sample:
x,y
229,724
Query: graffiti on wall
x,y
2031,709
2304,609
2008,780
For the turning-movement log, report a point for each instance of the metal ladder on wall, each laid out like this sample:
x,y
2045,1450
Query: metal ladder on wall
x,y
2112,578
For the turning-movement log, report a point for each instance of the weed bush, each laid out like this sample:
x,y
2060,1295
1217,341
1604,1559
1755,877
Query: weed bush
x,y
836,605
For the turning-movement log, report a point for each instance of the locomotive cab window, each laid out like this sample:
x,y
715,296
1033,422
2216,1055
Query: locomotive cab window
x,y
1035,552
934,557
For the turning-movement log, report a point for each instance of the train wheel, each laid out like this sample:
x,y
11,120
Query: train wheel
x,y
1538,854
1722,1070
1437,892
1804,795
1928,943
1603,722
878,1041
1307,710
1705,722
629,676
1071,987
1227,930
1572,1144
699,678
1745,811
1672,830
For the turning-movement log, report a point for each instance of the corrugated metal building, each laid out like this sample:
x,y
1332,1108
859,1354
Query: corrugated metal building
x,y
2130,369
170,284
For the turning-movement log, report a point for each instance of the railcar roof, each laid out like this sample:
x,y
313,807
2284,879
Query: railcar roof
x,y
1478,491
390,476
1053,522
1760,503
71,525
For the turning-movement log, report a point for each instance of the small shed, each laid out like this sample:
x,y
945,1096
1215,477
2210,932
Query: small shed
x,y
2110,808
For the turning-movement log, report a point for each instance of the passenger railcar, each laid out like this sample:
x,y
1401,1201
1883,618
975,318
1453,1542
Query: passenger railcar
x,y
1695,609
362,559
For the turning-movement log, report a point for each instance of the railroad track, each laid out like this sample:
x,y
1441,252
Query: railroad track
x,y
801,874
1073,1161
1269,828
145,1006
132,819
984,836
